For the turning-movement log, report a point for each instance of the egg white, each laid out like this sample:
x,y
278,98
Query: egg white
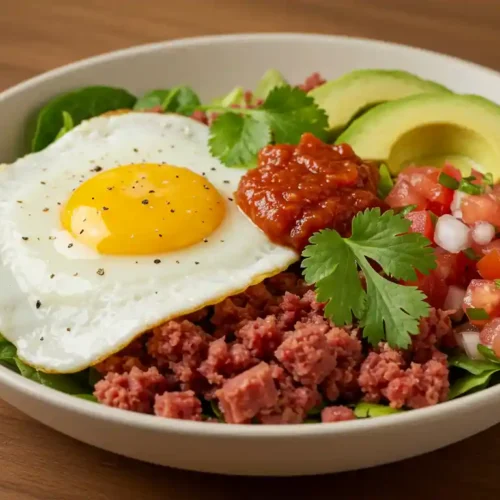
x,y
63,315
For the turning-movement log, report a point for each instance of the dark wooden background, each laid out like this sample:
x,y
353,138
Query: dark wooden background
x,y
38,35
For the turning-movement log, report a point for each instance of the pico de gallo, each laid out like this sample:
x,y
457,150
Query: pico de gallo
x,y
460,215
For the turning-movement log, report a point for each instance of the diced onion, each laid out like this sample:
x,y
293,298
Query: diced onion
x,y
457,214
456,204
467,337
451,234
483,233
454,300
470,341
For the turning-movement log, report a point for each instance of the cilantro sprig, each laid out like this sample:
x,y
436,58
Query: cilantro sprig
x,y
386,310
238,134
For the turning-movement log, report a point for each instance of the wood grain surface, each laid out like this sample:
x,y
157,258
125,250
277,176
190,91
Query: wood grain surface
x,y
38,35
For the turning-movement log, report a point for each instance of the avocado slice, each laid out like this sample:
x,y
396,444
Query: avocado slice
x,y
354,93
272,78
428,129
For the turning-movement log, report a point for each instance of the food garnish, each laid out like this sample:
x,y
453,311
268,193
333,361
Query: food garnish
x,y
386,310
238,134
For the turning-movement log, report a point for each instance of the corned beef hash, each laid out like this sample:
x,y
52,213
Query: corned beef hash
x,y
291,254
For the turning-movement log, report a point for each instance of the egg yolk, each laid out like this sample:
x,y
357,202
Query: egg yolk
x,y
143,209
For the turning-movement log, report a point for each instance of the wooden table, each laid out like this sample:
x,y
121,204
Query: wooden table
x,y
38,35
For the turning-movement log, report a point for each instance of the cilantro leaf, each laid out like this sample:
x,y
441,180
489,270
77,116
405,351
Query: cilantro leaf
x,y
283,117
331,264
290,113
393,310
385,239
386,310
237,139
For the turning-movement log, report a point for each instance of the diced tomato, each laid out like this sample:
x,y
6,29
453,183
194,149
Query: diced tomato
x,y
452,172
483,294
479,177
424,181
450,267
489,266
421,222
434,288
438,209
490,332
485,207
402,195
494,245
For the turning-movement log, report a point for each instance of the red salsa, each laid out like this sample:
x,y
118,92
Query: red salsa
x,y
298,190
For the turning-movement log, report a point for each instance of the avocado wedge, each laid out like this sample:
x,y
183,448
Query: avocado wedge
x,y
428,129
354,93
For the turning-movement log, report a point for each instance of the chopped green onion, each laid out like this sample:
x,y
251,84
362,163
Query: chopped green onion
x,y
434,217
477,313
497,283
488,179
471,254
385,182
448,181
466,186
406,210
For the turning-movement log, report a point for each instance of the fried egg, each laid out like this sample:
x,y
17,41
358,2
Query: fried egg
x,y
123,223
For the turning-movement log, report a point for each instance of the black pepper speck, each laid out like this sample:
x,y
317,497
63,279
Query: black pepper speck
x,y
38,304
157,261
25,238
145,202
70,245
230,199
226,182
172,210
52,276
136,150
100,271
196,263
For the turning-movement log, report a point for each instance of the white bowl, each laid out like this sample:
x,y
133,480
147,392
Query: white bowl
x,y
213,65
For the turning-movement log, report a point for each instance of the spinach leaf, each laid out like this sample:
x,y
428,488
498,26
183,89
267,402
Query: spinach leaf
x,y
217,412
7,351
370,410
61,383
68,124
471,382
25,370
88,397
80,104
488,353
152,99
93,377
182,100
474,366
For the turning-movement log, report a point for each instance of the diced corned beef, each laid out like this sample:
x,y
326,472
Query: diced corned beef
x,y
197,316
377,370
119,364
343,380
312,81
261,336
225,360
134,354
182,405
293,401
305,353
259,297
383,375
134,391
200,116
294,308
178,341
435,331
423,384
287,282
243,396
228,316
337,414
